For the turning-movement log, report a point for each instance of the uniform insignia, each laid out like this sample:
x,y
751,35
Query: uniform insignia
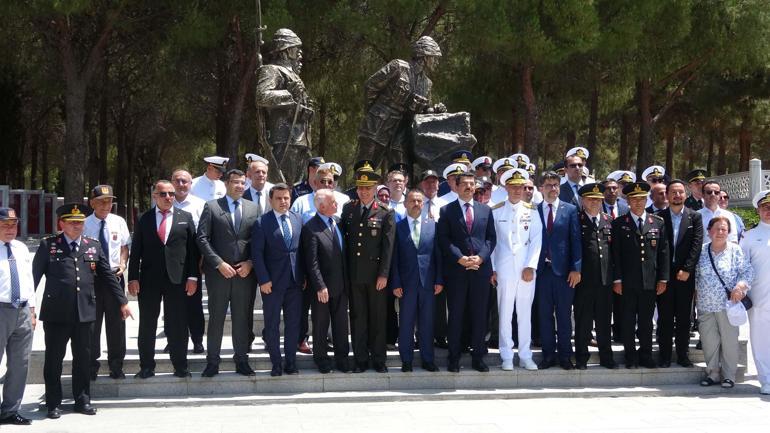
x,y
498,205
653,242
526,227
529,205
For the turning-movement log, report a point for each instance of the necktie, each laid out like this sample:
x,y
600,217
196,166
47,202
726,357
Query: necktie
x,y
365,213
103,240
334,232
596,222
162,227
15,285
236,216
74,247
549,225
286,233
430,208
416,233
577,196
612,212
259,203
640,222
468,217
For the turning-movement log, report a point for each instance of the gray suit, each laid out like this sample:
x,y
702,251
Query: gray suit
x,y
219,242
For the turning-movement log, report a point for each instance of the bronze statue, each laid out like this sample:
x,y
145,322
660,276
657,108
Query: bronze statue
x,y
286,109
394,94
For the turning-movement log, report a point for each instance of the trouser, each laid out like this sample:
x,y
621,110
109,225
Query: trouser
x,y
467,293
391,324
174,301
617,317
196,321
720,344
367,323
555,296
417,306
593,305
514,293
15,340
304,320
759,324
57,334
334,312
108,309
440,317
638,307
288,300
674,318
494,316
234,293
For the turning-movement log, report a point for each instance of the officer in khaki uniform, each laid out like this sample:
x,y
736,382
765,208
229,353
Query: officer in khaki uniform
x,y
641,270
593,295
72,265
369,229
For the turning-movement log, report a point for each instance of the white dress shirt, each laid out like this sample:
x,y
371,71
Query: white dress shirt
x,y
433,208
193,205
462,208
278,216
305,205
169,221
24,269
707,215
115,231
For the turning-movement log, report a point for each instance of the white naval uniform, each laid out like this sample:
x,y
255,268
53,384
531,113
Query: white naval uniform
x,y
305,205
432,210
756,247
449,197
207,189
499,195
519,237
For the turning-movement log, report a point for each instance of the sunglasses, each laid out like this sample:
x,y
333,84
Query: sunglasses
x,y
712,192
165,194
575,165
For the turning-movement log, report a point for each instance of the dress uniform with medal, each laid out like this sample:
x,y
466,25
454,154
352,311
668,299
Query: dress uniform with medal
x,y
369,231
72,265
641,270
593,295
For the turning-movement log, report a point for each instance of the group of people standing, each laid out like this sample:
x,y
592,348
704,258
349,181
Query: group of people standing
x,y
487,262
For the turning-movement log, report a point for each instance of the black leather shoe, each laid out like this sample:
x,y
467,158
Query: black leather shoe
x,y
648,363
15,419
380,368
166,349
53,413
429,366
145,373
684,362
276,371
85,409
243,368
325,369
480,366
406,367
664,364
546,363
182,373
581,366
441,343
453,367
94,374
198,348
291,369
211,370
632,365
566,364
343,366
360,367
612,365
117,374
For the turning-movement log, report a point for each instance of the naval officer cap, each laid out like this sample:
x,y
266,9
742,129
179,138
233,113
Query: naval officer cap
x,y
761,198
455,169
521,159
315,161
333,167
504,164
530,168
218,162
580,152
484,162
252,157
654,171
514,176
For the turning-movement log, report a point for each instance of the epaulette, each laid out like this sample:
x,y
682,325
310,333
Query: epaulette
x,y
657,217
529,205
384,207
499,205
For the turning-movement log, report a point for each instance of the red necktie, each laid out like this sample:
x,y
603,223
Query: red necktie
x,y
549,225
468,217
612,212
162,227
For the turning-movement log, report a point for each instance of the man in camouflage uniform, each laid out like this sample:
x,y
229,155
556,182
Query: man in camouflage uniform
x,y
394,94
284,105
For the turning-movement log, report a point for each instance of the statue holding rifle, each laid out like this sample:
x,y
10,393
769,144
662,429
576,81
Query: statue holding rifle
x,y
285,108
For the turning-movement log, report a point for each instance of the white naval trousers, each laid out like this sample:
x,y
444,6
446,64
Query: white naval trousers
x,y
759,324
513,291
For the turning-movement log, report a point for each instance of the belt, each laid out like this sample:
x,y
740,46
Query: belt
x,y
9,305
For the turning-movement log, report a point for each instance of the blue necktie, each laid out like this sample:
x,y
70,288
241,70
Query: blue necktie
x,y
334,231
286,233
15,286
259,203
103,241
236,217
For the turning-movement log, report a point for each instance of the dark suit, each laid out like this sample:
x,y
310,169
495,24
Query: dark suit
x,y
326,268
567,194
593,296
219,242
281,265
639,261
620,208
466,289
560,254
68,309
693,203
368,251
416,271
675,303
162,271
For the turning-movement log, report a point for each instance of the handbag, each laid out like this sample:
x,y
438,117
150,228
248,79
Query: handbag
x,y
746,301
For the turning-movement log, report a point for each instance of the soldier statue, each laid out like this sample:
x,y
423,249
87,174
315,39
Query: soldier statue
x,y
284,105
394,94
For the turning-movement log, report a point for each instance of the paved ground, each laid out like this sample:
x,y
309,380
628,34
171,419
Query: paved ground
x,y
740,413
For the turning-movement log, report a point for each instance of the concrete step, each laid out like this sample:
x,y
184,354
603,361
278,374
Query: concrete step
x,y
310,381
260,360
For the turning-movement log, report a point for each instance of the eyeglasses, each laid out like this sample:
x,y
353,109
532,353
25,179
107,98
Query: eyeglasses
x,y
551,186
165,193
577,165
326,182
712,192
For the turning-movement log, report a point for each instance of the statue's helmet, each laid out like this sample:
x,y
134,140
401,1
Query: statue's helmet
x,y
284,39
426,46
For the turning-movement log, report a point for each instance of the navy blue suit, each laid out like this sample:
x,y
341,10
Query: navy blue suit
x,y
621,208
560,254
275,262
416,271
466,288
567,194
